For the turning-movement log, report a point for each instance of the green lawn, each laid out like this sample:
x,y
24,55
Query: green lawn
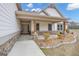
x,y
64,50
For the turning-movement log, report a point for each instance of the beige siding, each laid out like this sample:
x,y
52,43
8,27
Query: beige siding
x,y
53,27
44,26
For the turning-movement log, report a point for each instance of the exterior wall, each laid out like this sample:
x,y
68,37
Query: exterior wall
x,y
9,25
43,26
54,27
52,12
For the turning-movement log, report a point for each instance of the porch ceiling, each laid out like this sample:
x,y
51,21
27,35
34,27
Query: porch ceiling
x,y
24,16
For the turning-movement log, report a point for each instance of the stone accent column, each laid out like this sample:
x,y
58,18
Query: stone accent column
x,y
65,26
32,27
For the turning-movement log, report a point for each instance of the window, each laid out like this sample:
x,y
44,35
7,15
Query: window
x,y
37,26
50,27
59,27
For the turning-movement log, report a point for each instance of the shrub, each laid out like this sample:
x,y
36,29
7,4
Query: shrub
x,y
46,35
59,35
67,30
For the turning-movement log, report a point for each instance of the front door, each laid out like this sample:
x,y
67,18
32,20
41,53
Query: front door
x,y
25,29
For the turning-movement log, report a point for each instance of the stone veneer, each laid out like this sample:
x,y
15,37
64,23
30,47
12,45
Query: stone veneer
x,y
7,46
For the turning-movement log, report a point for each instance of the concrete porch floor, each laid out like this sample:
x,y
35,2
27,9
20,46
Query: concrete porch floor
x,y
25,46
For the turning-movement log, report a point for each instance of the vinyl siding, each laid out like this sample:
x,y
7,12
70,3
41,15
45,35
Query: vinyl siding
x,y
8,22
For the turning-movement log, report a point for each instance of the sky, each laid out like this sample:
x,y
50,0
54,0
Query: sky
x,y
34,7
68,10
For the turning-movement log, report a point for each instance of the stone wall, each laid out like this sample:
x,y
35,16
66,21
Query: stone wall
x,y
7,46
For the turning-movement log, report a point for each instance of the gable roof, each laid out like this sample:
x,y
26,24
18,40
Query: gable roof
x,y
52,6
43,12
58,11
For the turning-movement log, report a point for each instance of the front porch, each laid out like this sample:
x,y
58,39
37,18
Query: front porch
x,y
31,23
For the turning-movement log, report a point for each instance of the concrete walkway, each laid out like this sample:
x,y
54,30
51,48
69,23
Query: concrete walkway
x,y
25,47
